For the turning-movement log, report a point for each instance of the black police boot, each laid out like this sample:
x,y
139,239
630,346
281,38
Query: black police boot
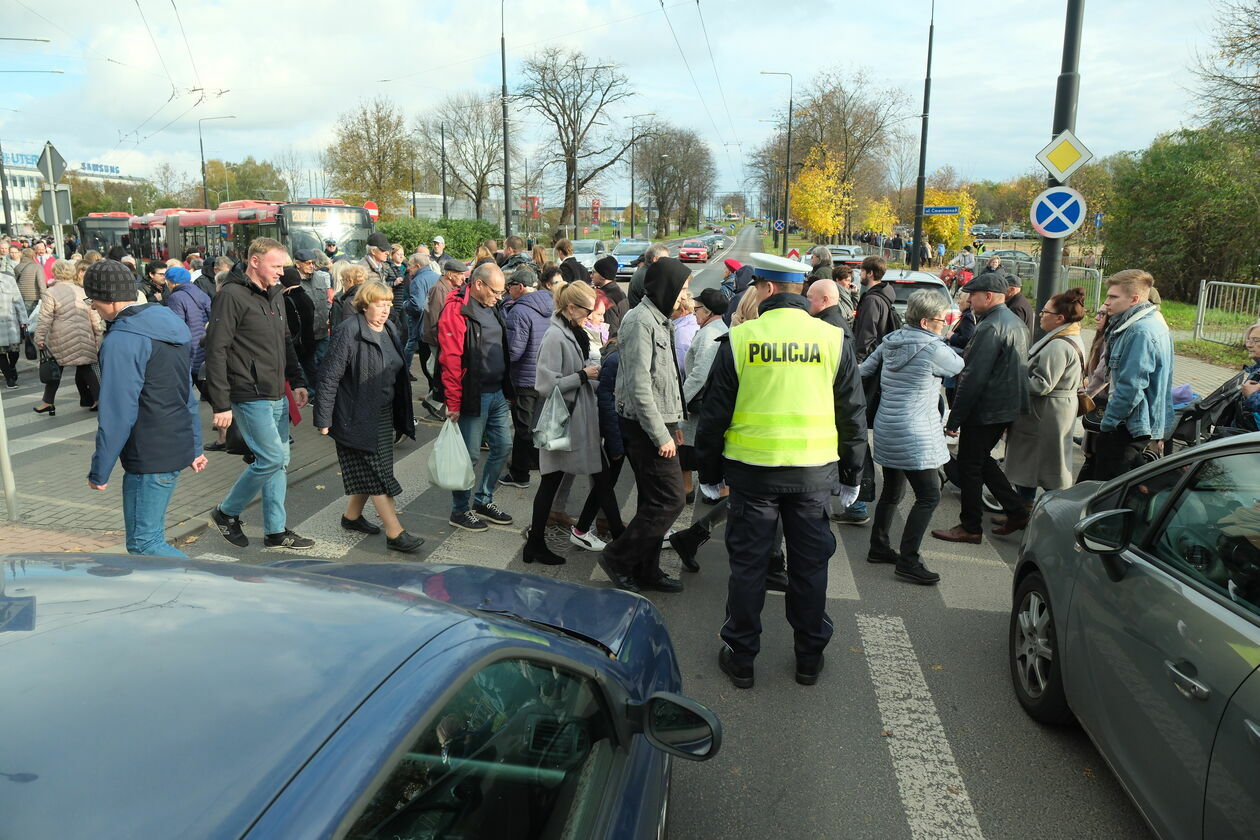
x,y
776,575
741,675
687,542
916,573
808,668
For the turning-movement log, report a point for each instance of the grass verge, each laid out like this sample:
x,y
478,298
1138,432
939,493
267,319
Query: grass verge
x,y
1210,351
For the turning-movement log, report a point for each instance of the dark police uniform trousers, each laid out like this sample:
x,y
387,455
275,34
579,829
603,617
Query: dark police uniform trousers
x,y
751,538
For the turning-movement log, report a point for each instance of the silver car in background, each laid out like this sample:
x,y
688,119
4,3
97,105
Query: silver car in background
x,y
1136,613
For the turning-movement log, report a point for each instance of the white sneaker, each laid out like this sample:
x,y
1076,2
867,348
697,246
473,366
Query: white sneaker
x,y
588,540
665,540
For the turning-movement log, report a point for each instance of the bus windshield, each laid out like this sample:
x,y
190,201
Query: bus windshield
x,y
308,225
101,234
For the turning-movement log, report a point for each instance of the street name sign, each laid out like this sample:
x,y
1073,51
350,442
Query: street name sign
x,y
1064,155
1057,212
941,210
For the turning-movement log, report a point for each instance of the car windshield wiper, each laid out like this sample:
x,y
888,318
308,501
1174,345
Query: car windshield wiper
x,y
590,640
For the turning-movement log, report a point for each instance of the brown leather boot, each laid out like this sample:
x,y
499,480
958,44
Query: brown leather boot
x,y
958,534
1009,525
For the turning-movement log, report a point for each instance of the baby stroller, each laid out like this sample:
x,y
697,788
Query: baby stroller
x,y
1215,416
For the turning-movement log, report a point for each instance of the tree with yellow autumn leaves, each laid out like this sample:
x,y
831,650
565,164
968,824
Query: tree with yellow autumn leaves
x,y
820,197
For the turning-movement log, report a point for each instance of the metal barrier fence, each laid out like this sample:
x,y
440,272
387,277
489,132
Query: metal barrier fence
x,y
1226,310
1090,279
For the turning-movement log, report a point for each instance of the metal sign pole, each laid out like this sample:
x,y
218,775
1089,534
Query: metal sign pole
x,y
58,246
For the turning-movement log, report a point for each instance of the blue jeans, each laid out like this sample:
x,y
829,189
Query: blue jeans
x,y
145,499
495,424
414,324
265,426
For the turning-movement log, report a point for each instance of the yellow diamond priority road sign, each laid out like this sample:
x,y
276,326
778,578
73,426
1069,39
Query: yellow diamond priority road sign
x,y
1064,155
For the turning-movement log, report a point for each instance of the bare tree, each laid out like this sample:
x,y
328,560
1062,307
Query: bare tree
x,y
292,169
321,172
575,97
371,156
474,143
903,169
1230,75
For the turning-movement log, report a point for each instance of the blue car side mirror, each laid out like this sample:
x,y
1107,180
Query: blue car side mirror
x,y
678,725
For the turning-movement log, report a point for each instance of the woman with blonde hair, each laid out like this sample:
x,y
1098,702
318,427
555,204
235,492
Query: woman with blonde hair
x,y
363,402
70,330
483,255
353,275
748,310
539,256
569,361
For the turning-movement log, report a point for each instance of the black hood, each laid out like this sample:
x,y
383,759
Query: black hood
x,y
664,281
743,276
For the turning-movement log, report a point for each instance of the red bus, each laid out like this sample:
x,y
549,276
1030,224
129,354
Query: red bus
x,y
229,229
102,231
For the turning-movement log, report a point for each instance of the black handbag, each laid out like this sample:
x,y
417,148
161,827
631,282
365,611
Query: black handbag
x,y
49,370
31,353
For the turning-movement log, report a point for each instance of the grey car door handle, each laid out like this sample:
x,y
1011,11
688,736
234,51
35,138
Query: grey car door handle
x,y
1253,732
1189,687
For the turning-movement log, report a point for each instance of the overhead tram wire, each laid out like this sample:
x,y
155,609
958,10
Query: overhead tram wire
x,y
722,92
165,69
191,55
694,84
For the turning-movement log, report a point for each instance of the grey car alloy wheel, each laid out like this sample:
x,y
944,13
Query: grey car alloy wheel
x,y
1034,654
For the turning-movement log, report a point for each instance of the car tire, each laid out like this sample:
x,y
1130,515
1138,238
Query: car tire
x,y
1036,671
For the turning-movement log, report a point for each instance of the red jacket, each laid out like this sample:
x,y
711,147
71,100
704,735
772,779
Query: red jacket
x,y
459,356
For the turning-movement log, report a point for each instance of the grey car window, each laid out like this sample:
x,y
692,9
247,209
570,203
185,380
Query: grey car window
x,y
1212,531
523,750
1146,498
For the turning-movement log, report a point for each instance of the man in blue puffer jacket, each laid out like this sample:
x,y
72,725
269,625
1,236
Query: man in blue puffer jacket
x,y
526,315
148,410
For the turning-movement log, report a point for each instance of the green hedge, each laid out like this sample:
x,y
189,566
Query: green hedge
x,y
462,235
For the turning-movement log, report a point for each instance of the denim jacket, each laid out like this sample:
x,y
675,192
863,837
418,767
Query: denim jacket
x,y
1140,359
648,386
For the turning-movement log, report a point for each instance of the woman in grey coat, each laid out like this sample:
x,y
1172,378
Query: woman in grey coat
x,y
568,361
13,318
909,441
1039,444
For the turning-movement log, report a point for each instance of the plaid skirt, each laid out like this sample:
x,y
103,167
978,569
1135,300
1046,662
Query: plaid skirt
x,y
371,473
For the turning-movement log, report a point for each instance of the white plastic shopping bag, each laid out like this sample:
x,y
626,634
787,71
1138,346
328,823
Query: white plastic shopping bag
x,y
449,465
551,432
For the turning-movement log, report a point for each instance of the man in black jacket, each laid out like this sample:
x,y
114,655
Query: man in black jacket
x,y
785,362
992,391
604,278
300,312
1018,304
874,319
570,269
824,304
249,355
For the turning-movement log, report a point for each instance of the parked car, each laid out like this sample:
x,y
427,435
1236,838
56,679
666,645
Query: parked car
x,y
627,252
693,250
588,251
164,697
1020,263
906,282
1136,613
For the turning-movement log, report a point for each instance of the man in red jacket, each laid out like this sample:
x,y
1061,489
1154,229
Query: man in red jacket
x,y
477,385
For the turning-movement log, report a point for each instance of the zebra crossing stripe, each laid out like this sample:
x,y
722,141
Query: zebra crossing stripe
x,y
932,791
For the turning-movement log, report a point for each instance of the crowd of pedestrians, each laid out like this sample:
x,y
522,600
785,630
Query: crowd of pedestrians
x,y
755,400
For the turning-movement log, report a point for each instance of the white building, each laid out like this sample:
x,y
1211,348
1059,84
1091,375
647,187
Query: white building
x,y
24,182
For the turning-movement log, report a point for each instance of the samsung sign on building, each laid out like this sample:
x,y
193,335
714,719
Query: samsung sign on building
x,y
19,159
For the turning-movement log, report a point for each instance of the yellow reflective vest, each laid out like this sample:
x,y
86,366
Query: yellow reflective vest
x,y
786,363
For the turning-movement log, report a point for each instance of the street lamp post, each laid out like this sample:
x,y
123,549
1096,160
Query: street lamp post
x,y
787,168
633,137
443,171
205,191
507,181
920,186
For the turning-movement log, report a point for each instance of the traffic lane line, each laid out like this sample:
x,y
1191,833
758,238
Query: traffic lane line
x,y
933,794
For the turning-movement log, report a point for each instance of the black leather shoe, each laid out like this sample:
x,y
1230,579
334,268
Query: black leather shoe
x,y
918,573
361,525
541,554
618,579
215,446
880,557
404,542
777,581
808,669
741,676
662,583
687,542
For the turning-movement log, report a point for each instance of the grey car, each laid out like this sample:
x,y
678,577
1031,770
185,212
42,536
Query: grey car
x,y
1136,612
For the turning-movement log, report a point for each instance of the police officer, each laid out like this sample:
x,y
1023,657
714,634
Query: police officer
x,y
782,411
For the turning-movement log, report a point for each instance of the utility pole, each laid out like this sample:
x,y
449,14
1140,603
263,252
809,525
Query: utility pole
x,y
507,181
1064,120
413,184
920,186
787,169
4,193
443,127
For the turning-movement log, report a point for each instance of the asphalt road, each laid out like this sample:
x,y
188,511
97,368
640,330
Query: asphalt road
x,y
912,731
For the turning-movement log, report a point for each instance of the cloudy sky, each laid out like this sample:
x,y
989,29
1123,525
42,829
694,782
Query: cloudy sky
x,y
288,68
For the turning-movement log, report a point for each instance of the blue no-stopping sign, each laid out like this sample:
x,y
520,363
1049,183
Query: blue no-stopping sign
x,y
1057,212
778,224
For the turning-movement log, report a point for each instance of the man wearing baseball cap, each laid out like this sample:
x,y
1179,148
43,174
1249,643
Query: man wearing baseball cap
x,y
148,407
438,247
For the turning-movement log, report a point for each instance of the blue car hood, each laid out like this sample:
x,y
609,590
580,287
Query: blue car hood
x,y
602,616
